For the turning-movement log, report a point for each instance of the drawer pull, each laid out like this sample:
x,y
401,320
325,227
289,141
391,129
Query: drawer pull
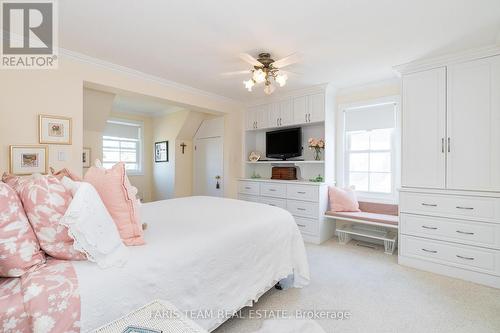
x,y
247,188
301,192
303,209
430,251
301,225
431,228
272,190
465,258
465,232
466,208
428,205
272,205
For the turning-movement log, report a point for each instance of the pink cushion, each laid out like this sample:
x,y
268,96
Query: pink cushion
x,y
45,201
343,200
119,197
19,248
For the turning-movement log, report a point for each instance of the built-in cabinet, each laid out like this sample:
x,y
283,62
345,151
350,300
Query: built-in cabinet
x,y
307,202
450,197
290,111
451,123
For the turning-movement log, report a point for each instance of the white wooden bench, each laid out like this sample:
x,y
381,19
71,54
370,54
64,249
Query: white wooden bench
x,y
382,222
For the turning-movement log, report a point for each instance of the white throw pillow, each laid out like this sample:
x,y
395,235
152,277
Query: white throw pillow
x,y
92,227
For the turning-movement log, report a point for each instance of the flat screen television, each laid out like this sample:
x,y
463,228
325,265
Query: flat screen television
x,y
284,143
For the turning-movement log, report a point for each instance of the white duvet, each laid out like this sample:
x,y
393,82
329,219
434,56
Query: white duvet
x,y
208,256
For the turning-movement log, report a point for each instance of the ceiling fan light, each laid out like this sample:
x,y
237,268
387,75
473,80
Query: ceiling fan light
x,y
249,84
269,89
259,76
281,79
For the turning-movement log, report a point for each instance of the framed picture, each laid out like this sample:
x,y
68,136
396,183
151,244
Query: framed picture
x,y
54,130
25,160
86,157
161,151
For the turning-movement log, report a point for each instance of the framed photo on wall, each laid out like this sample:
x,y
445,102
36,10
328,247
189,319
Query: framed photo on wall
x,y
26,160
161,151
86,157
54,129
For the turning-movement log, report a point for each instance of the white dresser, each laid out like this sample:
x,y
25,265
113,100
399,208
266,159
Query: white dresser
x,y
306,201
450,196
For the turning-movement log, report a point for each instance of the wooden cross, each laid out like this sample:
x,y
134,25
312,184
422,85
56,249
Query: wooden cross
x,y
183,145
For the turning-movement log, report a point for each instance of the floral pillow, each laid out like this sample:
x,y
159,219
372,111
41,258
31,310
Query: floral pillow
x,y
19,248
45,201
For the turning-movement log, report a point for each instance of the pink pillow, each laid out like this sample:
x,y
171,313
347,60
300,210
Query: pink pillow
x,y
343,200
45,201
119,197
19,248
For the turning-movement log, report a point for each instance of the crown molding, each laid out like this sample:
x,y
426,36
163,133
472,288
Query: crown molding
x,y
156,79
448,59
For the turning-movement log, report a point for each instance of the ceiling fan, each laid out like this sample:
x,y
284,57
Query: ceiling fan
x,y
265,70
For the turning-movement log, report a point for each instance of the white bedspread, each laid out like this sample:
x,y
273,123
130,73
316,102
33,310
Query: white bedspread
x,y
203,254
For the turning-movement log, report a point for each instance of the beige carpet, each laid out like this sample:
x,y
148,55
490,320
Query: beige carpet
x,y
381,295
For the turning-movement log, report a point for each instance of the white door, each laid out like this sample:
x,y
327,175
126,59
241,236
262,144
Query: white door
x,y
286,112
316,108
474,125
424,129
274,115
208,167
300,110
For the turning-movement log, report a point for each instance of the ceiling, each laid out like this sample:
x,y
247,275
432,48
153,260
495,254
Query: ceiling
x,y
346,42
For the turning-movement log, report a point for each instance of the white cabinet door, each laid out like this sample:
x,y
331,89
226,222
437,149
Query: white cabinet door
x,y
250,116
286,112
316,108
274,115
423,129
474,125
300,110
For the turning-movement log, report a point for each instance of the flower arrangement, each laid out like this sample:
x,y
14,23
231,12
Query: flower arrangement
x,y
317,145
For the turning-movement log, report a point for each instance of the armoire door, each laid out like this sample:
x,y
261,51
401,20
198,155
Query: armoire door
x,y
316,110
474,125
423,129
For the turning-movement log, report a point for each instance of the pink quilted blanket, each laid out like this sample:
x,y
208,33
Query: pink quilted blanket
x,y
44,301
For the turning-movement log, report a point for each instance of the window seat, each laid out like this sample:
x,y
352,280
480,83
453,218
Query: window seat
x,y
374,214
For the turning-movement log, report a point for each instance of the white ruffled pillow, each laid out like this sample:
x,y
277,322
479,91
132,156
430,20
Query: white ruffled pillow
x,y
91,226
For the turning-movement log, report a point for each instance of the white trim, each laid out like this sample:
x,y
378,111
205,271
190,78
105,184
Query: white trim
x,y
127,70
341,142
279,96
444,60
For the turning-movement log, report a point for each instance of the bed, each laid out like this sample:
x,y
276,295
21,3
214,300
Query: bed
x,y
208,256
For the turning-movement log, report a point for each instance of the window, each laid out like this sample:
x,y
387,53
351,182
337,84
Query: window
x,y
122,142
370,149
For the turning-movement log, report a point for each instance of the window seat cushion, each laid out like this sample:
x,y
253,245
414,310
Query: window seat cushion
x,y
366,216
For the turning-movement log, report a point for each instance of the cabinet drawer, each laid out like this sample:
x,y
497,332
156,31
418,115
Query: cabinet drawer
x,y
307,226
462,231
273,190
464,207
247,197
249,188
463,256
274,202
302,192
302,208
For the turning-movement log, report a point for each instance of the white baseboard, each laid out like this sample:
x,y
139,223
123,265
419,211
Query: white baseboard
x,y
481,278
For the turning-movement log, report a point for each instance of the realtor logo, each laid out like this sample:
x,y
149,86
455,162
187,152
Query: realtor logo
x,y
29,35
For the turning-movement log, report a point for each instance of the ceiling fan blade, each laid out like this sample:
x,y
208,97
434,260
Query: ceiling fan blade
x,y
249,59
235,73
286,61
